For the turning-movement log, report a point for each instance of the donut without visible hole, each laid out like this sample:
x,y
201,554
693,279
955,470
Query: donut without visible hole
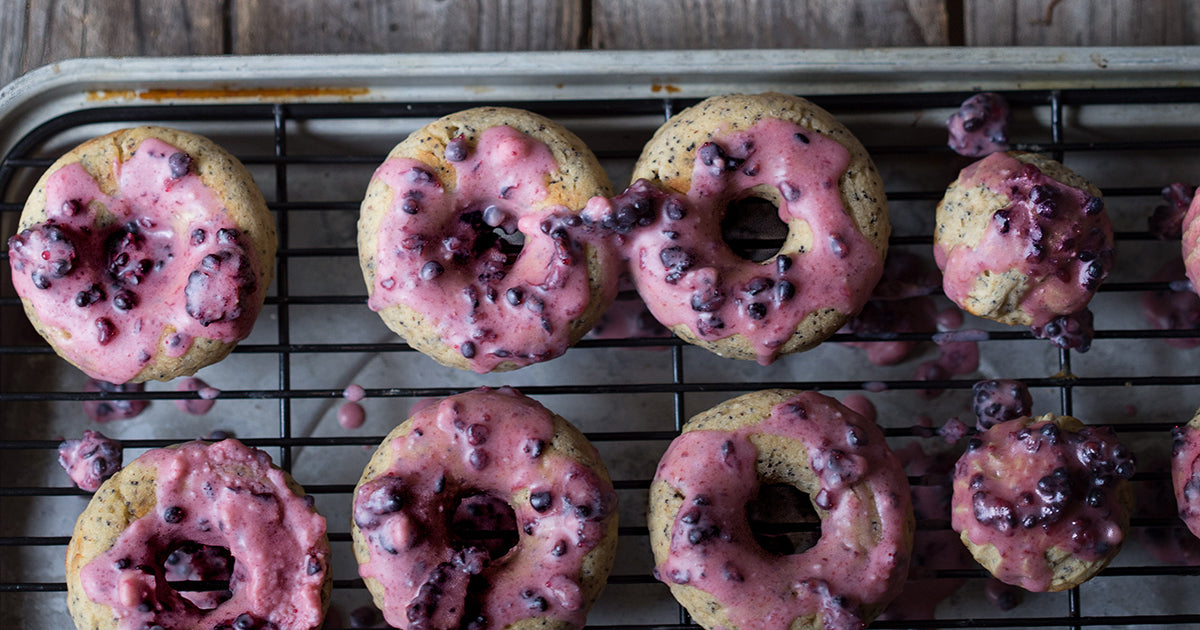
x,y
1191,242
465,458
437,267
144,254
706,553
1185,472
1022,240
199,511
791,153
1043,503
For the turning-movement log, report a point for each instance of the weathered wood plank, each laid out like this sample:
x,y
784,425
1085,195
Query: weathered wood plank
x,y
696,24
1081,22
312,26
46,31
13,18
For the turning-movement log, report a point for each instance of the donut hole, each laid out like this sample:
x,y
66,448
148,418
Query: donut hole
x,y
488,235
484,520
783,519
752,228
205,569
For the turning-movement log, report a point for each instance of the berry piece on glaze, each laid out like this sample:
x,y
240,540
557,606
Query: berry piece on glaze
x,y
980,126
1070,332
217,288
127,258
456,149
998,400
376,499
180,164
46,252
91,459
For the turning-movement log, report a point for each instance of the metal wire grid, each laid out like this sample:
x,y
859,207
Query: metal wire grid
x,y
22,160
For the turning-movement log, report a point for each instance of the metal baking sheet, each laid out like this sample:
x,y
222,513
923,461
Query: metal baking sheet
x,y
313,128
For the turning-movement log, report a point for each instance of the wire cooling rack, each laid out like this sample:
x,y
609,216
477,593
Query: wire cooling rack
x,y
629,395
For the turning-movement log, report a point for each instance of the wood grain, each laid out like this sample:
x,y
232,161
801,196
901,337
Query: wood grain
x,y
314,26
695,24
1081,22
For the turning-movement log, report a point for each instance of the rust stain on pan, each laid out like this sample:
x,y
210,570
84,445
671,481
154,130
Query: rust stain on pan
x,y
223,93
668,88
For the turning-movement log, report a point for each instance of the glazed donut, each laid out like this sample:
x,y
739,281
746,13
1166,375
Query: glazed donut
x,y
1043,503
706,553
779,148
1022,240
507,448
1185,471
436,269
144,254
190,498
1191,240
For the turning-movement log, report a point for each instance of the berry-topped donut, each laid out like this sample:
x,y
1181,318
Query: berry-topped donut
x,y
706,552
1185,472
144,254
210,511
1043,503
779,148
454,468
464,240
1022,240
1191,243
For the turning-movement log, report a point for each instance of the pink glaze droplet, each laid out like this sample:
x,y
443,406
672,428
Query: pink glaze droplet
x,y
861,405
351,415
354,393
193,406
208,393
108,410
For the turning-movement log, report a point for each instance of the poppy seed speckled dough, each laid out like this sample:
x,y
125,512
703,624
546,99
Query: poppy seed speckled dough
x,y
438,270
792,153
144,254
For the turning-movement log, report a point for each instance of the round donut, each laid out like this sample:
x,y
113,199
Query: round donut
x,y
706,553
144,254
497,447
191,501
438,270
779,148
1185,471
1191,243
1043,502
1022,240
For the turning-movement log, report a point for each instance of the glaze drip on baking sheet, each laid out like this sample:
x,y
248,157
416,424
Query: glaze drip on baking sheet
x,y
114,271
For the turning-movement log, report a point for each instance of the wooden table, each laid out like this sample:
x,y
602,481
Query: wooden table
x,y
34,33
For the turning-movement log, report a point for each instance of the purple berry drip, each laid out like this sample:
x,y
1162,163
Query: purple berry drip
x,y
1070,332
1167,220
90,460
980,126
677,261
1000,400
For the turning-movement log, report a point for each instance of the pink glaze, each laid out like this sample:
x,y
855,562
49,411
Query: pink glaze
x,y
445,261
192,562
688,275
958,352
713,548
351,415
108,410
1061,239
1185,475
1026,485
354,393
1191,239
862,406
980,126
222,495
491,443
114,288
194,406
90,460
